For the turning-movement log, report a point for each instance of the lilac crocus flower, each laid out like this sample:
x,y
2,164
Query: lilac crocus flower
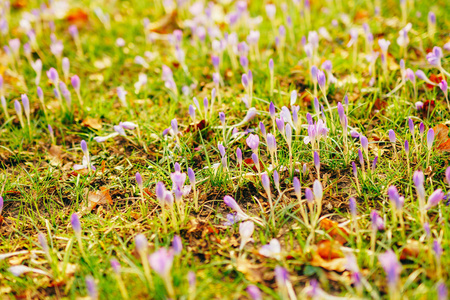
x,y
434,57
161,261
273,249
391,266
230,202
352,206
76,225
317,161
254,292
321,79
430,138
395,198
91,287
434,199
377,221
246,231
442,291
253,142
309,196
139,180
177,244
392,137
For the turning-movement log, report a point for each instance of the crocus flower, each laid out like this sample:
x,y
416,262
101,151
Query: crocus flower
x,y
434,57
76,225
272,250
352,206
434,199
391,266
395,198
318,192
253,142
1,205
177,244
392,137
442,291
91,287
254,292
377,221
161,261
430,138
246,231
228,200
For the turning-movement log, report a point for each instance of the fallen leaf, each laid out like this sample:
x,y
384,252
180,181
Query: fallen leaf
x,y
340,234
440,133
436,79
251,272
18,4
411,250
100,197
55,155
92,123
445,146
337,264
329,249
248,162
166,24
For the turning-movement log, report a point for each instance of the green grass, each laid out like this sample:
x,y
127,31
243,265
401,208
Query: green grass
x,y
41,190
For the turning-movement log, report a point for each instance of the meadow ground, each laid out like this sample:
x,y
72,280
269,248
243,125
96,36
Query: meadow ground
x,y
224,149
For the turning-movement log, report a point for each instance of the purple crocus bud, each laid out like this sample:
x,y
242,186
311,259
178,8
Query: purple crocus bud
x,y
76,225
265,183
442,291
316,105
52,74
444,86
377,221
352,206
191,279
192,112
253,142
411,126
215,61
254,292
281,276
314,72
437,249
18,108
364,143
297,187
91,287
355,170
430,138
73,30
177,244
288,132
65,65
222,118
43,242
26,105
426,227
139,180
231,203
447,175
141,244
392,137
221,149
271,66
174,125
406,147
75,81
374,164
432,18
316,160
115,265
321,79
409,75
244,80
434,199
341,112
191,176
309,196
418,178
280,125
161,261
395,197
421,128
271,143
262,128
309,118
276,180
361,158
1,204
255,160
272,110
84,147
239,156
391,266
